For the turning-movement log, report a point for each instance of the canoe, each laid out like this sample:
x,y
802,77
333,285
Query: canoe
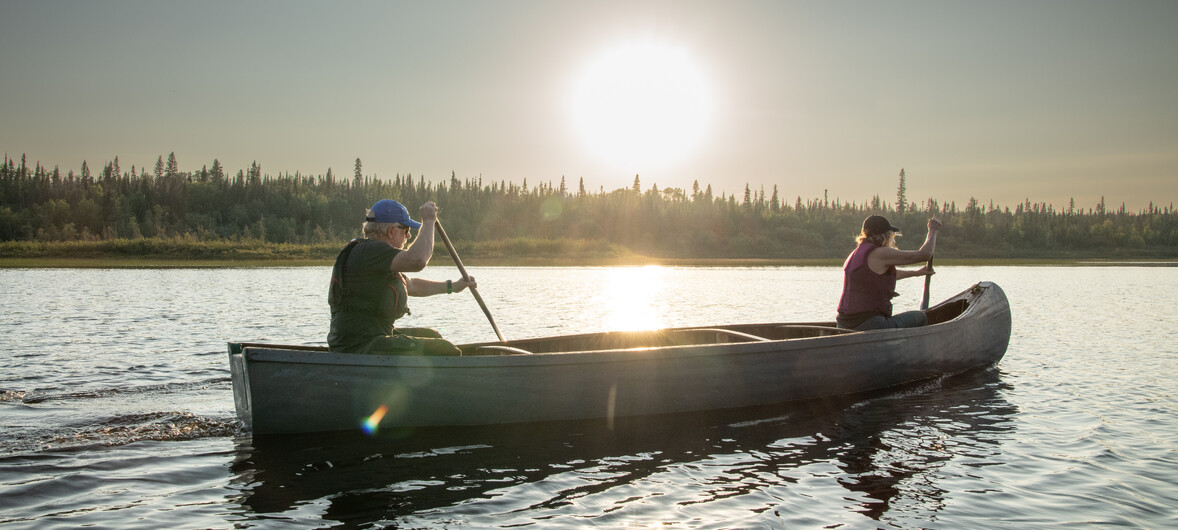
x,y
287,389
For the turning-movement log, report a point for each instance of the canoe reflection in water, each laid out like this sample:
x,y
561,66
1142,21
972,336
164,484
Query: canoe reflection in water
x,y
745,466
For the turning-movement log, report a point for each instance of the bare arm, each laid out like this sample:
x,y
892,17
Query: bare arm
x,y
881,258
923,271
423,287
417,256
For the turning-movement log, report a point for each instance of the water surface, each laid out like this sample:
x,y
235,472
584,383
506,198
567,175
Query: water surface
x,y
117,411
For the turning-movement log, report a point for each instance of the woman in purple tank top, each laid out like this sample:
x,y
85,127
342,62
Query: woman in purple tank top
x,y
870,274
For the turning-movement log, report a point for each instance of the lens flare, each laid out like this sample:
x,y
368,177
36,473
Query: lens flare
x,y
373,421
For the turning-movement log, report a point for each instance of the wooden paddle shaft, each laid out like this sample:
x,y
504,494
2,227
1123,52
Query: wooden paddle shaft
x,y
927,280
465,276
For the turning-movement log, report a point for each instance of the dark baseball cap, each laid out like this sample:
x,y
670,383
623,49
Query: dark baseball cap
x,y
876,225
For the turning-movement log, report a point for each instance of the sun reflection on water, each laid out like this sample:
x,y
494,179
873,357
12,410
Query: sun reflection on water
x,y
631,298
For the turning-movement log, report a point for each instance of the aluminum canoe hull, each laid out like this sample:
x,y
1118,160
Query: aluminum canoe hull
x,y
286,389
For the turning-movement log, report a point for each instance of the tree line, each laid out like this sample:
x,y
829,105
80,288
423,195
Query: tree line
x,y
42,204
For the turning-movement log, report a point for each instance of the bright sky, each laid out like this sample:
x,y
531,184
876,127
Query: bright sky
x,y
1000,100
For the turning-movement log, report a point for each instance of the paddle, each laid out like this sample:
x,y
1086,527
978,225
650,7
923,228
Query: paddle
x,y
465,276
927,280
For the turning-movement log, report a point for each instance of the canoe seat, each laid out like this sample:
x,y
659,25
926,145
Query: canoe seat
x,y
819,331
504,349
729,332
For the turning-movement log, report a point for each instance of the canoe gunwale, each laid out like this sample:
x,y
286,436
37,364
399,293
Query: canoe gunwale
x,y
612,355
303,354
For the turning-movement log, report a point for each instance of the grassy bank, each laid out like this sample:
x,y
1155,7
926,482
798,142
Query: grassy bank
x,y
442,260
190,253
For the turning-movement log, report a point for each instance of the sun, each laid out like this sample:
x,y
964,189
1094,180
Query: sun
x,y
641,105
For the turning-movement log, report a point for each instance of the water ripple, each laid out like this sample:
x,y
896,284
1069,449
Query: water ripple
x,y
42,397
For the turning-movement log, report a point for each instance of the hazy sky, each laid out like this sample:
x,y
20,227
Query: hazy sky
x,y
1004,101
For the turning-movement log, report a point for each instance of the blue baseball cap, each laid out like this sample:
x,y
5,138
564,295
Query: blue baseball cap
x,y
390,211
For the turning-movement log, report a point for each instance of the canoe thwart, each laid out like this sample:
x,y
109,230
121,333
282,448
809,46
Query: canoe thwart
x,y
503,349
729,332
820,330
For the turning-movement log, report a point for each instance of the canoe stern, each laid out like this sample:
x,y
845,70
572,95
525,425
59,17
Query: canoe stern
x,y
239,372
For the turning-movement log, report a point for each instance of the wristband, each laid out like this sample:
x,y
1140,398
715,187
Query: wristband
x,y
449,287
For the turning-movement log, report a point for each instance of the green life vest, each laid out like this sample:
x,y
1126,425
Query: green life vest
x,y
379,293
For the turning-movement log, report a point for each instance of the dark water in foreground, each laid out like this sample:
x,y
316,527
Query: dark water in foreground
x,y
117,412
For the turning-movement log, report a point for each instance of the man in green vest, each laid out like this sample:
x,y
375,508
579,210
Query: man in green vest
x,y
369,290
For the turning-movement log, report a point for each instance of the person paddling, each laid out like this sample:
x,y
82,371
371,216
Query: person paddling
x,y
369,289
870,274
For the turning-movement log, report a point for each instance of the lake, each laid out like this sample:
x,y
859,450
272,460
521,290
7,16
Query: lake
x,y
116,410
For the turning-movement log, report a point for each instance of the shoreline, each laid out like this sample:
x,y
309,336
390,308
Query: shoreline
x,y
516,252
156,262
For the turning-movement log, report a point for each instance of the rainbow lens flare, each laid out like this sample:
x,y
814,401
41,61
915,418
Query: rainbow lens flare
x,y
373,421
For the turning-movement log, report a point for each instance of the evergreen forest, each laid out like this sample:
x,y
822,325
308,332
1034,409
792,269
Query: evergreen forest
x,y
141,211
